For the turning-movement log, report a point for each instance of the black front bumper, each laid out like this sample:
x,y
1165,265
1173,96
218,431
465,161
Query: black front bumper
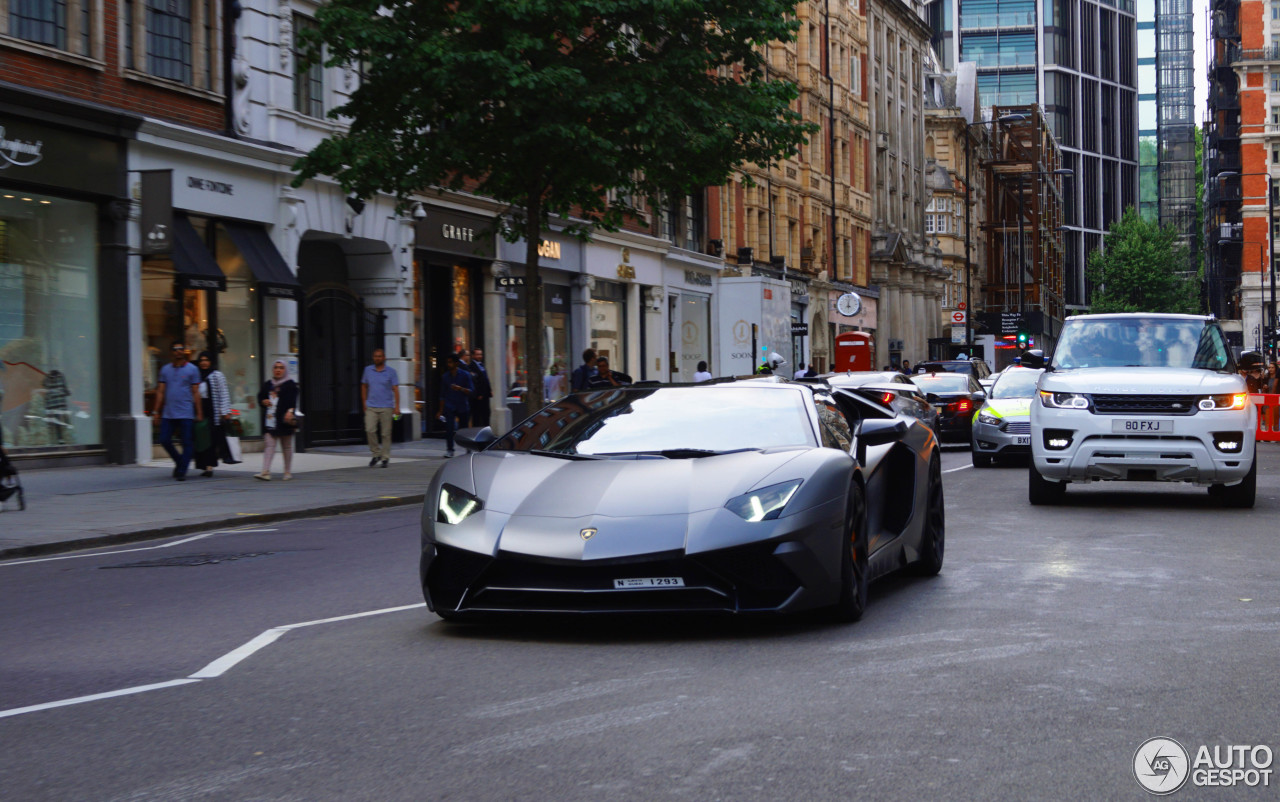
x,y
766,576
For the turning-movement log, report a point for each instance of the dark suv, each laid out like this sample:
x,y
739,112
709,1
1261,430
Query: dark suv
x,y
974,367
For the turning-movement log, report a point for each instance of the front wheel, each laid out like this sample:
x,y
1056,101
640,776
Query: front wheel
x,y
981,460
853,566
933,538
1041,490
1240,496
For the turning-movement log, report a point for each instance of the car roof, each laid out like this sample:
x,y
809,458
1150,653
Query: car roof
x,y
1139,316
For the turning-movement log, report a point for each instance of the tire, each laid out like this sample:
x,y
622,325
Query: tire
x,y
933,537
1240,496
853,568
982,460
1041,490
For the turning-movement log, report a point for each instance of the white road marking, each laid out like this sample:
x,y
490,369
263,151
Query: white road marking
x,y
17,711
215,669
139,548
953,470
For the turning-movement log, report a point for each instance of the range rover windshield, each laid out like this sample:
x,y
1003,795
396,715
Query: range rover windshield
x,y
1141,342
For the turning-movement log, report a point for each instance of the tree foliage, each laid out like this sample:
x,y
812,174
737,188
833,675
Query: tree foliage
x,y
543,105
1142,268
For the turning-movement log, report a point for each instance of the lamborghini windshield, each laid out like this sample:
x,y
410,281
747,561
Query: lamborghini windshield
x,y
1141,342
667,421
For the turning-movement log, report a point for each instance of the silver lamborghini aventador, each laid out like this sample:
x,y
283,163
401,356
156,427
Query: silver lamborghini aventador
x,y
762,495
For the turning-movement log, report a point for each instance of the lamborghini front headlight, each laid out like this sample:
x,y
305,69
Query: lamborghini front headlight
x,y
764,504
456,504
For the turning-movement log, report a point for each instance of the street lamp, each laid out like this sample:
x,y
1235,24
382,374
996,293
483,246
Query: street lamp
x,y
1269,315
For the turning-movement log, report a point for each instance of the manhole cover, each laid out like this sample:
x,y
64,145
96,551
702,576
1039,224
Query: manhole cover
x,y
193,559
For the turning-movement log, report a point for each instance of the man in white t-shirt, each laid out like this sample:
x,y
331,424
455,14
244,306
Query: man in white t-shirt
x,y
702,374
801,372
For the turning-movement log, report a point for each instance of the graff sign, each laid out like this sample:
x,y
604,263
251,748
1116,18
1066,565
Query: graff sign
x,y
19,152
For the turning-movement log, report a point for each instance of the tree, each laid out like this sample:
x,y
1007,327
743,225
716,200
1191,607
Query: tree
x,y
545,105
1142,268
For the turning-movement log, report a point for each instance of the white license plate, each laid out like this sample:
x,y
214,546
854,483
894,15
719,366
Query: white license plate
x,y
648,582
1130,426
1022,440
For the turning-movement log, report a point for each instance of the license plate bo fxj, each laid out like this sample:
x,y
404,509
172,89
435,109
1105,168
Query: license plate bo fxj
x,y
1138,426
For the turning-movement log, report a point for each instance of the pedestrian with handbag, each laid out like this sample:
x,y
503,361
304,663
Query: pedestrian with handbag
x,y
215,401
278,398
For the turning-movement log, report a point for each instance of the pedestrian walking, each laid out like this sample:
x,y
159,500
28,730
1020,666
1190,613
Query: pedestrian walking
x,y
702,374
906,367
553,384
1253,371
215,404
380,396
583,373
801,372
178,407
480,410
455,394
278,398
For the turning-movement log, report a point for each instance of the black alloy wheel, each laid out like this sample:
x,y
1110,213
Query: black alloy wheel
x,y
1240,496
933,538
853,568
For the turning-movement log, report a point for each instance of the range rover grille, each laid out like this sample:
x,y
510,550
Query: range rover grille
x,y
1145,404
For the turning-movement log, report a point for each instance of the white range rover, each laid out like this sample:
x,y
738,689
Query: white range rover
x,y
1142,397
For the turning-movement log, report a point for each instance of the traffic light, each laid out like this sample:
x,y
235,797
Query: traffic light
x,y
1023,338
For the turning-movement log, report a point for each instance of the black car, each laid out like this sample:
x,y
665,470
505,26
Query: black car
x,y
957,397
891,388
761,495
974,367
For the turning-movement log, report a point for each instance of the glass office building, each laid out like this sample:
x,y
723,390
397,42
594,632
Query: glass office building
x,y
1078,60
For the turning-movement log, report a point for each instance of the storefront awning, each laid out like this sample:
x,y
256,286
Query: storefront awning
x,y
192,262
275,279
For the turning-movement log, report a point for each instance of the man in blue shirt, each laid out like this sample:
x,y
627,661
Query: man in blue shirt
x,y
178,406
456,388
380,395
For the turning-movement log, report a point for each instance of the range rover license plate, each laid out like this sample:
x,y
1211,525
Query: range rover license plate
x,y
1136,426
648,582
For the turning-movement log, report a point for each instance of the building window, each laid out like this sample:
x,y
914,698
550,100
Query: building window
x,y
42,21
169,39
308,79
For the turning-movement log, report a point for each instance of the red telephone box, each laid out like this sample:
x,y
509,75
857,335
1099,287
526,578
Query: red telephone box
x,y
855,350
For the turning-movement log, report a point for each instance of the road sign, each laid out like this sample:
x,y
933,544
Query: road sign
x,y
958,317
962,306
957,335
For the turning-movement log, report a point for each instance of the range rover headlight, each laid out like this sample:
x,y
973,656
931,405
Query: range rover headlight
x,y
1222,402
455,505
985,416
764,504
1064,400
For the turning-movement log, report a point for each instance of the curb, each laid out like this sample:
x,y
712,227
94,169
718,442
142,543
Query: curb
x,y
155,533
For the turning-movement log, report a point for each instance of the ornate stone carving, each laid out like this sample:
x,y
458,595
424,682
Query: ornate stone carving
x,y
286,36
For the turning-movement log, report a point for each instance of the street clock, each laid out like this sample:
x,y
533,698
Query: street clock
x,y
849,304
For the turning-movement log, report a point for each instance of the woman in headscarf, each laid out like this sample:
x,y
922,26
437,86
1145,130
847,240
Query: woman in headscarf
x,y
216,400
278,398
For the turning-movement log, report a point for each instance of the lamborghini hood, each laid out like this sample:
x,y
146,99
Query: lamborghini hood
x,y
535,486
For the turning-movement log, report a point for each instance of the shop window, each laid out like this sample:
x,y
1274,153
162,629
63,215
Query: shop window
x,y
237,336
555,346
609,323
695,334
49,375
308,79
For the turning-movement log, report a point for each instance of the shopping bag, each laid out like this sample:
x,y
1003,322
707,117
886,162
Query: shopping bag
x,y
202,436
233,450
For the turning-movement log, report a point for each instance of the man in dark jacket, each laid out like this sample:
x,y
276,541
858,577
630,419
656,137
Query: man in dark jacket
x,y
582,374
483,389
455,392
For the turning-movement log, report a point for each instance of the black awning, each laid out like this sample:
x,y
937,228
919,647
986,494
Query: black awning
x,y
275,278
194,265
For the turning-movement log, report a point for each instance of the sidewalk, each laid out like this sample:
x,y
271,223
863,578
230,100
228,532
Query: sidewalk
x,y
73,508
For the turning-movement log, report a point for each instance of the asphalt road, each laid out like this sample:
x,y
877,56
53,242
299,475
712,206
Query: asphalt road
x,y
1055,641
